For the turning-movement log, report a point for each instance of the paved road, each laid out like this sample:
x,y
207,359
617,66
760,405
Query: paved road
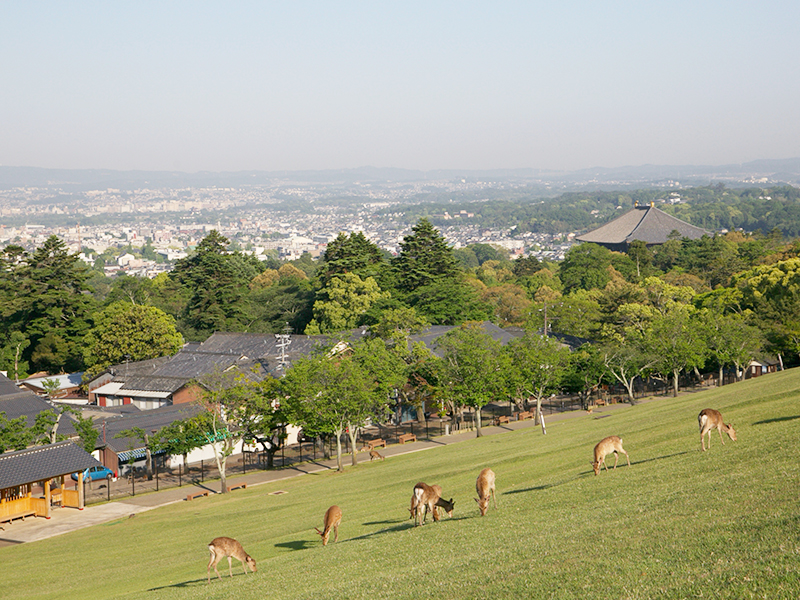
x,y
69,519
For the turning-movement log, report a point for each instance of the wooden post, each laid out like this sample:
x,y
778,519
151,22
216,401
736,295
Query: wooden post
x,y
80,491
47,499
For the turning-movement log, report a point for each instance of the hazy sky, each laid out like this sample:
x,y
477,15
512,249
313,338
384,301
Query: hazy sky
x,y
556,84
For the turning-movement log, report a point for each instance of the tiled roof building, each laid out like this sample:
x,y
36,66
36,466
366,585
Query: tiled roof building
x,y
645,223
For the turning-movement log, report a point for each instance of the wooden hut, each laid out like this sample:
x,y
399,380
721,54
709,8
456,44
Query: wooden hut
x,y
20,471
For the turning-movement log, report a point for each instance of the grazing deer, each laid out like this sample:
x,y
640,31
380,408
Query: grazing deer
x,y
485,486
712,419
427,499
373,454
333,517
224,546
414,502
606,447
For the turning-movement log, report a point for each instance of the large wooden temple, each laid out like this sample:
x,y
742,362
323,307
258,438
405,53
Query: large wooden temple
x,y
646,223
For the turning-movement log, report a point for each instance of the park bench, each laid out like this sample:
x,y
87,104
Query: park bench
x,y
502,419
525,414
600,402
407,437
372,444
238,486
197,495
18,515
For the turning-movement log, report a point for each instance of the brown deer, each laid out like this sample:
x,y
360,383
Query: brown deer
x,y
373,454
485,486
224,546
414,502
712,419
427,499
333,517
606,447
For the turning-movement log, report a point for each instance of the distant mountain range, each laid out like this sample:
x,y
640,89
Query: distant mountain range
x,y
760,171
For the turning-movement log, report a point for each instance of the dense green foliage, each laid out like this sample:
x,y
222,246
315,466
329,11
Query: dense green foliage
x,y
54,320
124,331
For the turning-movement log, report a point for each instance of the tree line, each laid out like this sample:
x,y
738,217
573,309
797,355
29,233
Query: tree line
x,y
663,311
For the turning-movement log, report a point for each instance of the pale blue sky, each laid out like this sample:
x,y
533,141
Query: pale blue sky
x,y
422,85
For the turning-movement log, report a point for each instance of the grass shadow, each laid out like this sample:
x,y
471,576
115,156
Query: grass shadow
x,y
776,420
401,525
182,584
547,486
539,488
655,458
297,545
380,522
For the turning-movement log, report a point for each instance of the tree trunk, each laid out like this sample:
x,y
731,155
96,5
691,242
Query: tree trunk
x,y
629,388
478,430
721,383
538,416
148,463
324,448
697,374
221,456
675,383
352,432
53,431
338,434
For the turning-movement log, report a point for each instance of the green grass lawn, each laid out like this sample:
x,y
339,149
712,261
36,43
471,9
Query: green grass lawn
x,y
679,523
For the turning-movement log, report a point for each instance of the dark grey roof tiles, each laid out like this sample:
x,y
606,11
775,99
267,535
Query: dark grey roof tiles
x,y
148,420
42,462
16,402
645,223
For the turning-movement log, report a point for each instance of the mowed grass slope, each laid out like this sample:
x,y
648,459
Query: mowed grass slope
x,y
679,523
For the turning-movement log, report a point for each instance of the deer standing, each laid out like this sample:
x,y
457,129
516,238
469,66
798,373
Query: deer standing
x,y
712,419
414,502
373,454
606,447
333,517
485,486
427,499
224,546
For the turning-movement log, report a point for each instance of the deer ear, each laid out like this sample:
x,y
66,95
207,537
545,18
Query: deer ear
x,y
476,500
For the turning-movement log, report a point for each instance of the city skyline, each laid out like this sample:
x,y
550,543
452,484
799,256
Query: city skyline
x,y
313,86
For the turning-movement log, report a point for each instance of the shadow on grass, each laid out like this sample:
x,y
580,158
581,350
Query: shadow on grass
x,y
182,584
546,486
539,488
776,420
298,545
380,522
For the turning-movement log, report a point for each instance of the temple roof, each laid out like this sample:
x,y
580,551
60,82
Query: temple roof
x,y
645,223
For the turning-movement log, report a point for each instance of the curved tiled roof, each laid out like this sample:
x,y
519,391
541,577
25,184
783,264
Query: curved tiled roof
x,y
645,223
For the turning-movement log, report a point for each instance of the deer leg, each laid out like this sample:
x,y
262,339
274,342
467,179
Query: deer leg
x,y
721,439
216,559
210,564
230,566
627,458
616,458
493,498
335,533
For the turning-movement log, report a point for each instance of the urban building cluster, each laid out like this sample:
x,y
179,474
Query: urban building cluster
x,y
171,222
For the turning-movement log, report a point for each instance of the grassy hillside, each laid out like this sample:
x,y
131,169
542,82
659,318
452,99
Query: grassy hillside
x,y
679,523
